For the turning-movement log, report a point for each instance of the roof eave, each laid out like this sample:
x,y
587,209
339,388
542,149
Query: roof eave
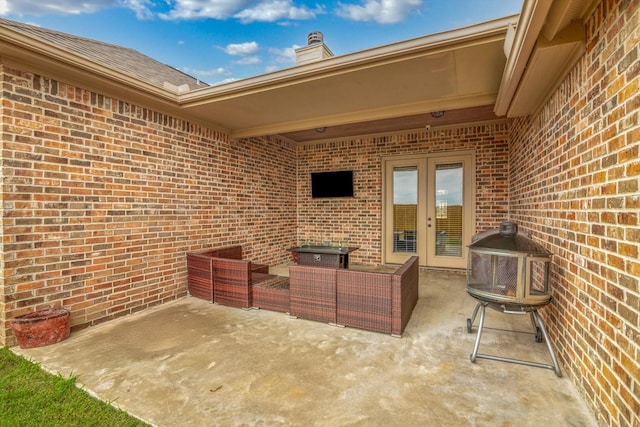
x,y
548,34
20,49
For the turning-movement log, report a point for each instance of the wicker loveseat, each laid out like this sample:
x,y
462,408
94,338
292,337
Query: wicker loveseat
x,y
374,301
221,275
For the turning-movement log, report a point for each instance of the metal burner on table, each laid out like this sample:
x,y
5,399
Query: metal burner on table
x,y
509,272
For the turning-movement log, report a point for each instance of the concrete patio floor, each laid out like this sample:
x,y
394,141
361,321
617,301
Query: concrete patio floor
x,y
190,362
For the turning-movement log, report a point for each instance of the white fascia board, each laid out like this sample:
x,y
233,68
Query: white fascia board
x,y
532,19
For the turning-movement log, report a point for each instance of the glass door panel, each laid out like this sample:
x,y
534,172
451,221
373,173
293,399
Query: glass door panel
x,y
404,229
405,209
449,209
450,218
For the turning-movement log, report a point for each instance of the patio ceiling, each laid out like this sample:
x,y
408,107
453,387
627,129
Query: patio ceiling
x,y
387,88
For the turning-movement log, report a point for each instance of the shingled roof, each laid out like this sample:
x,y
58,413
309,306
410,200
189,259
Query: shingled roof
x,y
122,59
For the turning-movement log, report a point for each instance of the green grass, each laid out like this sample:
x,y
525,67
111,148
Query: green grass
x,y
30,396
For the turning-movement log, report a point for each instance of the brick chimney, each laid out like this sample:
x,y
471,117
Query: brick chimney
x,y
315,50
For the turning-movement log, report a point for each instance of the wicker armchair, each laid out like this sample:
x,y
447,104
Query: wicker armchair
x,y
200,269
375,301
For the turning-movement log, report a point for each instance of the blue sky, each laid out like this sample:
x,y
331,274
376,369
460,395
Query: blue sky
x,y
223,40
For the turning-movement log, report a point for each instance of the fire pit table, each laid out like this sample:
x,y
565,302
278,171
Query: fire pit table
x,y
322,256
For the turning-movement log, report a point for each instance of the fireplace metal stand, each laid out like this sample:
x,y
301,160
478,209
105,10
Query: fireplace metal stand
x,y
540,332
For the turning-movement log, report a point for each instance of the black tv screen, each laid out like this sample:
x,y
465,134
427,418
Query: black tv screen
x,y
332,184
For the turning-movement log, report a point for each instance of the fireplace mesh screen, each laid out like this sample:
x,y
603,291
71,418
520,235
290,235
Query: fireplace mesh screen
x,y
508,268
496,274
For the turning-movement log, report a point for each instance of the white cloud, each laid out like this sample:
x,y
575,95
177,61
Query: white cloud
x,y
4,7
286,55
248,48
381,11
213,72
248,60
140,7
229,80
244,10
56,7
275,10
195,9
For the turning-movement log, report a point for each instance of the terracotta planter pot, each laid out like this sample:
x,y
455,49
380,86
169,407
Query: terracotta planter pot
x,y
41,328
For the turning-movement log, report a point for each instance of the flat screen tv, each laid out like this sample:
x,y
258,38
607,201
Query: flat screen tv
x,y
332,184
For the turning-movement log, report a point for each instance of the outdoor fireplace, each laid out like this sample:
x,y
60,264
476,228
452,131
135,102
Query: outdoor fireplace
x,y
509,272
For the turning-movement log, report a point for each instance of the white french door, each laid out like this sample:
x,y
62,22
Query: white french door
x,y
428,204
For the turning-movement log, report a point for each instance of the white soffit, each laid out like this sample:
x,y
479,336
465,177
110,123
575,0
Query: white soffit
x,y
548,65
548,42
455,69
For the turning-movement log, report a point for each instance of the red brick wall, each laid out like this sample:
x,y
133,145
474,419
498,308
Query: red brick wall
x,y
102,198
581,198
360,218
